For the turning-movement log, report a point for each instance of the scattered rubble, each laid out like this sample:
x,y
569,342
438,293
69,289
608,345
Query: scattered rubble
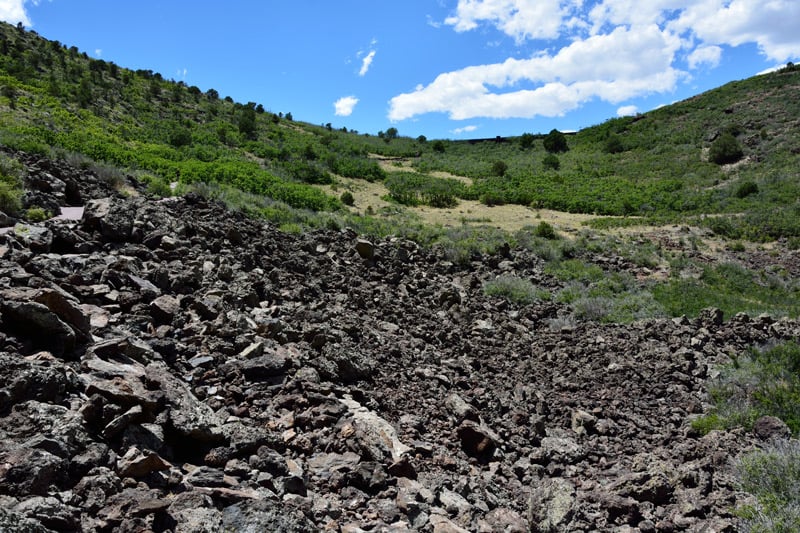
x,y
172,366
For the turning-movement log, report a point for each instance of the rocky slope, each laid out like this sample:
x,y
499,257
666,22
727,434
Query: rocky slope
x,y
172,366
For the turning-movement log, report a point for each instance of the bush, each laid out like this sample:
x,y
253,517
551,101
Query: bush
x,y
347,198
772,475
499,168
555,142
746,189
36,214
614,145
514,289
546,231
760,383
10,199
526,141
726,149
551,161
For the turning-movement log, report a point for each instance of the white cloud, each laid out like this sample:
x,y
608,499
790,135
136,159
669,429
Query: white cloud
x,y
610,50
521,19
771,24
613,67
366,62
344,106
627,110
465,129
13,12
98,52
705,55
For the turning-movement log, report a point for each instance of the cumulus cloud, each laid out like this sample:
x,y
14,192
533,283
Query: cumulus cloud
x,y
366,63
465,129
614,67
344,106
705,55
771,25
627,110
610,50
521,19
13,12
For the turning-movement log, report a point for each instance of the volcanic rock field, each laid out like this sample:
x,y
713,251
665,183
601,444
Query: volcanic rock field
x,y
169,365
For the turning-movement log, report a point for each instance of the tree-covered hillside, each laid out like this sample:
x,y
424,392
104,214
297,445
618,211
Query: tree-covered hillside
x,y
731,152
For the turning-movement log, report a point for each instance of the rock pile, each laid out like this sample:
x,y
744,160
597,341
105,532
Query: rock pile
x,y
173,366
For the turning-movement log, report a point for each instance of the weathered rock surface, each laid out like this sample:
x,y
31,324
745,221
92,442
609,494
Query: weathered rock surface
x,y
171,366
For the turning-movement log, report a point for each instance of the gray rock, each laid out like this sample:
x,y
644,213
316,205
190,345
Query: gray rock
x,y
376,436
256,516
136,463
365,249
25,471
770,428
50,512
551,505
38,323
459,407
14,521
477,440
187,416
164,309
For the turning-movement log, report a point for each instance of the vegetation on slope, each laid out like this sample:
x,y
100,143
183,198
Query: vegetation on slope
x,y
730,152
728,158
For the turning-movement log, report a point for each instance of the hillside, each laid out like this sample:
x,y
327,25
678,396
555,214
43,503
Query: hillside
x,y
221,333
656,166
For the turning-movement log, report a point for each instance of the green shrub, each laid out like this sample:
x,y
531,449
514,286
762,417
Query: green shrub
x,y
575,270
772,475
551,161
727,286
499,168
36,214
110,174
515,289
10,199
761,382
347,198
555,142
746,189
613,145
159,187
725,149
545,231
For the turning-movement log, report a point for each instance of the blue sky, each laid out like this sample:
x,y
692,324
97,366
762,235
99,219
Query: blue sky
x,y
439,68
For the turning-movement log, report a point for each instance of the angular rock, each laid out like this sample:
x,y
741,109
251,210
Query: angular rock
x,y
164,309
365,249
377,437
39,324
136,463
188,416
477,440
771,428
551,505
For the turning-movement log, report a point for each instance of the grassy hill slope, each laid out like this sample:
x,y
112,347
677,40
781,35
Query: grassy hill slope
x,y
731,152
